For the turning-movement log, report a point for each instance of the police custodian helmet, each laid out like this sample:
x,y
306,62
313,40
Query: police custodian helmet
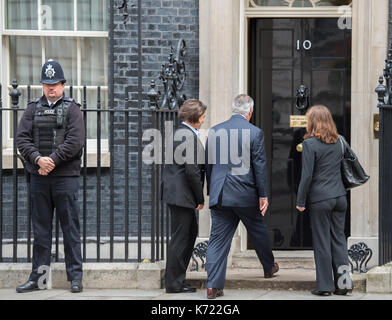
x,y
52,73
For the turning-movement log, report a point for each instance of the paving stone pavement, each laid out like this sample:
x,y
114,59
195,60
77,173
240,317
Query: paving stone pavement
x,y
160,295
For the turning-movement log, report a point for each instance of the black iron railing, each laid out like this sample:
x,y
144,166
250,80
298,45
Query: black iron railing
x,y
385,170
127,191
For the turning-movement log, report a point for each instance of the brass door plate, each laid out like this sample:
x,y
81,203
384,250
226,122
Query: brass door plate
x,y
298,122
376,125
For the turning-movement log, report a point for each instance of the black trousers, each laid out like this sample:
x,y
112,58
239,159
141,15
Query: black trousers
x,y
60,193
329,242
184,231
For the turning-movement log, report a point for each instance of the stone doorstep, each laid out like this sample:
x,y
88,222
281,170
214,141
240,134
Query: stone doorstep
x,y
379,279
150,276
95,275
285,279
286,260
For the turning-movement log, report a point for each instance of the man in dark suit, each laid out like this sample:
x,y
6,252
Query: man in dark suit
x,y
237,186
182,190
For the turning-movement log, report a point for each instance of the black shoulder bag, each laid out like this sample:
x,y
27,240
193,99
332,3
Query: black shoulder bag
x,y
353,174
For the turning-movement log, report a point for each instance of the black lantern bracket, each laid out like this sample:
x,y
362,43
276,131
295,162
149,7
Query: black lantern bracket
x,y
173,76
384,91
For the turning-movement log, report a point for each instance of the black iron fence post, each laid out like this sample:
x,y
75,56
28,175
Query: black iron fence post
x,y
84,107
28,201
1,175
126,186
385,163
99,173
15,94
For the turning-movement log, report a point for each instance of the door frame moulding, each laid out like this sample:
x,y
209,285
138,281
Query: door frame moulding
x,y
255,11
286,12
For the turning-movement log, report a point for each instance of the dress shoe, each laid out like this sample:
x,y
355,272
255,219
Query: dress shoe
x,y
274,269
184,289
321,293
213,293
29,286
76,286
342,292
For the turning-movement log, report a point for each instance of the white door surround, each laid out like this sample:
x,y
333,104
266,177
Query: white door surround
x,y
224,73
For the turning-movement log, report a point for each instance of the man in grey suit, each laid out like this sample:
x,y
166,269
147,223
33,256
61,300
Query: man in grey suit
x,y
237,186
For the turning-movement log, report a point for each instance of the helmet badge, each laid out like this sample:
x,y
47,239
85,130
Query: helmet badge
x,y
50,72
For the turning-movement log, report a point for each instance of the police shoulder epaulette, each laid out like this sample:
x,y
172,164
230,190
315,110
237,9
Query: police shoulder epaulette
x,y
34,101
68,99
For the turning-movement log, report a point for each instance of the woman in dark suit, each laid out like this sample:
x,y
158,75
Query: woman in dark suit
x,y
322,188
182,190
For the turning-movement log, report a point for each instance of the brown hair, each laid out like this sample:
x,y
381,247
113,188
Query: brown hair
x,y
320,125
192,110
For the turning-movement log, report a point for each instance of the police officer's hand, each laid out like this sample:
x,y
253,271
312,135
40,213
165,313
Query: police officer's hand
x,y
42,172
46,165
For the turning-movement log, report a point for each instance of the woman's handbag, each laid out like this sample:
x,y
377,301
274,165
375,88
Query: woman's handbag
x,y
352,172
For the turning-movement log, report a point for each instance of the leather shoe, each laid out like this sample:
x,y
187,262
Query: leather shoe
x,y
213,293
184,289
274,269
29,286
321,293
76,286
342,292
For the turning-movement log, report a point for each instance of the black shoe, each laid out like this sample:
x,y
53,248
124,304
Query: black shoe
x,y
321,293
184,289
274,269
342,292
213,293
29,286
76,286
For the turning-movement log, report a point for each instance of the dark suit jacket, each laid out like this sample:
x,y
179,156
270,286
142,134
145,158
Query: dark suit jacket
x,y
321,177
239,182
183,180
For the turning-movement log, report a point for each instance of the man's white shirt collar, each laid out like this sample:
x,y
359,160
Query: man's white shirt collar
x,y
234,114
197,132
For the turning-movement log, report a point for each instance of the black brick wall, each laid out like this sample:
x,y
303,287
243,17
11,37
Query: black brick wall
x,y
164,23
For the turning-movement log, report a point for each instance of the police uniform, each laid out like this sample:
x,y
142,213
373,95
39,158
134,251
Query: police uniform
x,y
55,130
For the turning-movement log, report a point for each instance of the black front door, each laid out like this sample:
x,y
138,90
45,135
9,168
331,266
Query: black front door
x,y
284,54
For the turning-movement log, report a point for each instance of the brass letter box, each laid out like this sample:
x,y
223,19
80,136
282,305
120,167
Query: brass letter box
x,y
298,122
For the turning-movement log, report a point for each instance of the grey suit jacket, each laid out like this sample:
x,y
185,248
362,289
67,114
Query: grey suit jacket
x,y
321,178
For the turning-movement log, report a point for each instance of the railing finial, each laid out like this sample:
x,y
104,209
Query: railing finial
x,y
15,94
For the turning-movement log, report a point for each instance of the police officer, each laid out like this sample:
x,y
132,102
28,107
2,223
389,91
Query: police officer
x,y
50,138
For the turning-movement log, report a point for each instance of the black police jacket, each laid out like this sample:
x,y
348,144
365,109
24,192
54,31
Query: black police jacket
x,y
183,179
65,156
